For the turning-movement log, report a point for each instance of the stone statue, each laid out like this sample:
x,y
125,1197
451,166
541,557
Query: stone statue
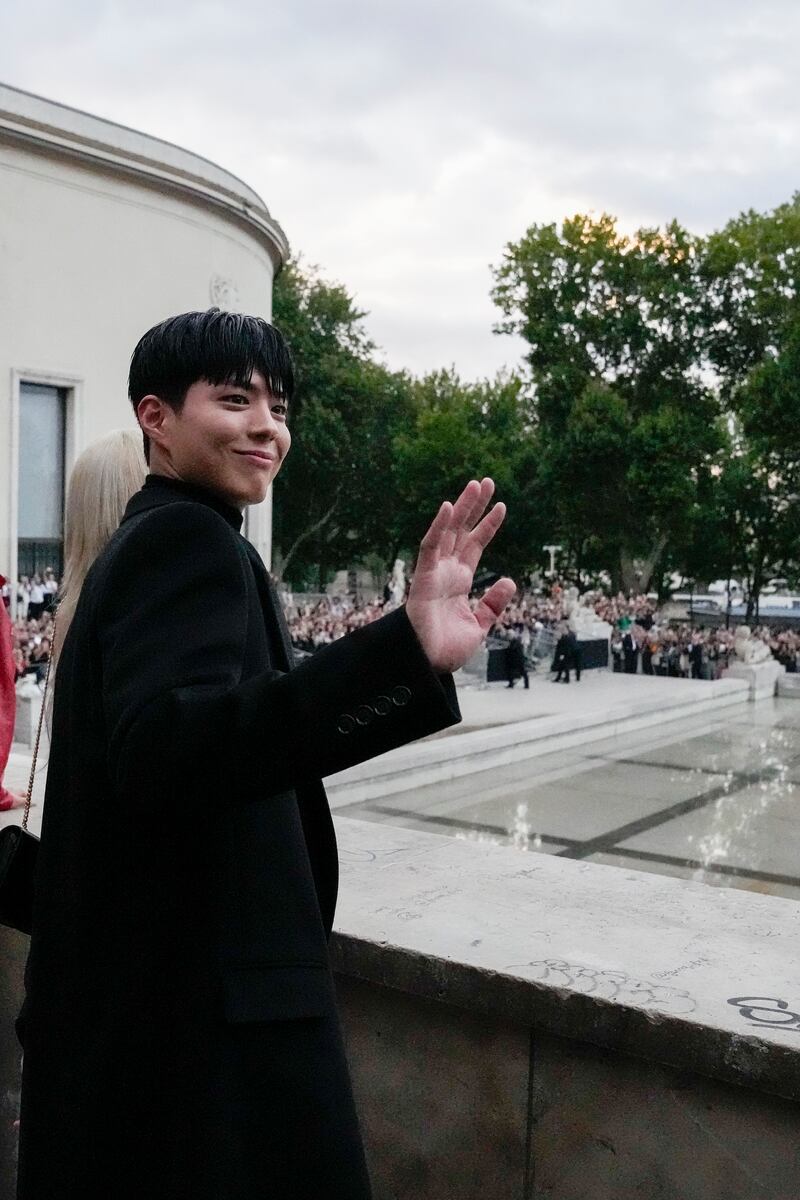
x,y
397,586
749,649
582,620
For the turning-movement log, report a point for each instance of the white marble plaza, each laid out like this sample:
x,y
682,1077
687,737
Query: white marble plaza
x,y
668,776
707,793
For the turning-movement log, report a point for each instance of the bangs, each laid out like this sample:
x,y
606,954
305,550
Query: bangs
x,y
233,347
219,347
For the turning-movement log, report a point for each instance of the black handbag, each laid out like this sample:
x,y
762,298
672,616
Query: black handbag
x,y
19,848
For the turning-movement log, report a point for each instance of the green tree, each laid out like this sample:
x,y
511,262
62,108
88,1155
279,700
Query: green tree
x,y
767,408
751,272
626,422
467,430
334,494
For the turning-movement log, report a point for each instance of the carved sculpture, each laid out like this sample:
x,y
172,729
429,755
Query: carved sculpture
x,y
582,620
398,582
749,649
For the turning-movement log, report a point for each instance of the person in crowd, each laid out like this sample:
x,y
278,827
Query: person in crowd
x,y
560,664
668,645
630,651
39,658
8,705
567,657
20,664
23,597
50,586
36,602
574,658
516,666
180,1031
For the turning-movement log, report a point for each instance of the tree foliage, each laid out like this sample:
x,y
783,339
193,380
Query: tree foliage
x,y
461,431
335,489
654,429
614,325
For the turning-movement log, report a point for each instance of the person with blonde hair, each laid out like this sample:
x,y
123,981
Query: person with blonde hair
x,y
104,478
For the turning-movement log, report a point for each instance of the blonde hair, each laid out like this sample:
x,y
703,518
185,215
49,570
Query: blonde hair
x,y
104,478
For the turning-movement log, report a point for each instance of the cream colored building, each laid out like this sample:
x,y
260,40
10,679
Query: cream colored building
x,y
103,232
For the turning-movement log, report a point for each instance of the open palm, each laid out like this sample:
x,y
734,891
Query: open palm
x,y
438,599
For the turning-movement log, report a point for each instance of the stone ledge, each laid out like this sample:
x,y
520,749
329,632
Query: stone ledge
x,y
29,706
426,762
761,678
789,686
643,964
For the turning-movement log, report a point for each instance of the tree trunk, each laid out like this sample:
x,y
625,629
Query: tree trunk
x,y
579,567
394,556
307,532
758,582
637,578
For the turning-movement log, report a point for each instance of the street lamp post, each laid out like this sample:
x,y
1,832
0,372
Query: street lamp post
x,y
552,551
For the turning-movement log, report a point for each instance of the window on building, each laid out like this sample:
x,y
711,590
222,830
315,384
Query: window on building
x,y
40,526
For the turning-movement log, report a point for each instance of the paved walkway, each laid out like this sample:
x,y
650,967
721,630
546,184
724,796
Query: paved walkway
x,y
481,706
713,798
16,780
598,691
716,800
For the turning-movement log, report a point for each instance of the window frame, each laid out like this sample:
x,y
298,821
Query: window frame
x,y
72,386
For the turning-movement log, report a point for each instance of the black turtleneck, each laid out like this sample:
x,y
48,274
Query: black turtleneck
x,y
193,491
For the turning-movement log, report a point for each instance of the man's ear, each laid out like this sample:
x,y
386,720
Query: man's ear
x,y
153,416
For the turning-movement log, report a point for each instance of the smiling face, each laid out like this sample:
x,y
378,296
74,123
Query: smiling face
x,y
229,439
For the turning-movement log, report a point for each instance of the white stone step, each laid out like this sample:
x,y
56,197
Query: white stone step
x,y
612,709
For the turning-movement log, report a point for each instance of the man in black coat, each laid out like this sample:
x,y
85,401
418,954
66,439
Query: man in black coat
x,y
696,655
567,657
574,656
630,651
180,1031
516,664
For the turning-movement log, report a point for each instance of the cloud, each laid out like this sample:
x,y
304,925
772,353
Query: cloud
x,y
402,145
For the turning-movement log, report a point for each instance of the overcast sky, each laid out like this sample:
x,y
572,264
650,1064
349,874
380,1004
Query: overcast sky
x,y
401,145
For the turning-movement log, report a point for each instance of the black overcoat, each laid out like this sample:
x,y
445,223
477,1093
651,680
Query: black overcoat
x,y
179,1029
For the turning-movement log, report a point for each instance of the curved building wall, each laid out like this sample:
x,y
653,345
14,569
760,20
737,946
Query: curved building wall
x,y
104,232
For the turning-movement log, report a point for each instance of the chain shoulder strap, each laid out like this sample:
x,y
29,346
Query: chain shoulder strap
x,y
39,730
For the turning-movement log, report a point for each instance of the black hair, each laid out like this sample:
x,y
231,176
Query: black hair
x,y
219,347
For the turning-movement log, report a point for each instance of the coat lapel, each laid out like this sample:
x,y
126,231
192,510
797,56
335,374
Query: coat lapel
x,y
277,629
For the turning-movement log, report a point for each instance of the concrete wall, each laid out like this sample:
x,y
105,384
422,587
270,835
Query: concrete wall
x,y
104,232
462,1106
459,1105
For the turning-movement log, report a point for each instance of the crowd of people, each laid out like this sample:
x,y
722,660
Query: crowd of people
x,y
640,641
31,639
32,628
36,594
318,623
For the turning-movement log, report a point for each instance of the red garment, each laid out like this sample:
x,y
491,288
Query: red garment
x,y
8,703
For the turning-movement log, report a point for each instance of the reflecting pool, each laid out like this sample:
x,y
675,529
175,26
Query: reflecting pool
x,y
717,802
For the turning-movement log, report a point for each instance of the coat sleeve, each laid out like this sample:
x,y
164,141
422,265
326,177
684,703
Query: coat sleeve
x,y
172,622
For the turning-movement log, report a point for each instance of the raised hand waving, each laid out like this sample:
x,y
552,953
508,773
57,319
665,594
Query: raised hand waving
x,y
438,599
